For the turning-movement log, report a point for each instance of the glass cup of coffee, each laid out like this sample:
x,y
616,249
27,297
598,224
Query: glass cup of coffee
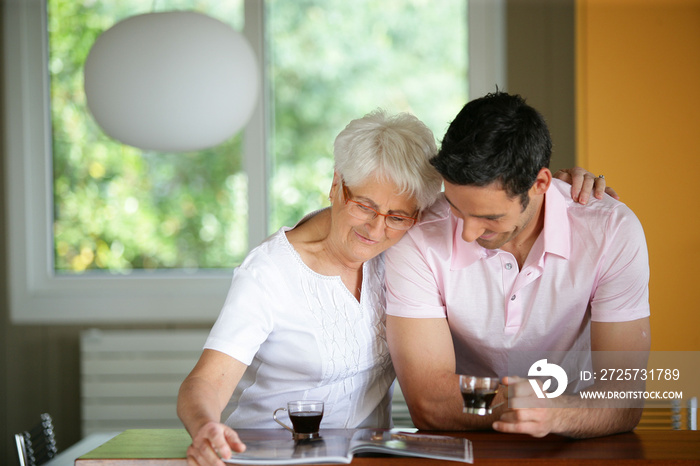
x,y
306,418
478,394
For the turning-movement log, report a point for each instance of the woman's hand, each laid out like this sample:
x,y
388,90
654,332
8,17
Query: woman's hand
x,y
213,442
583,183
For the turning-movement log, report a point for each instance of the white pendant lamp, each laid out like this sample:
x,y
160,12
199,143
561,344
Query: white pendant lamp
x,y
175,81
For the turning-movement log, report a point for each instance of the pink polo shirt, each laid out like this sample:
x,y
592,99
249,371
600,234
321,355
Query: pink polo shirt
x,y
589,263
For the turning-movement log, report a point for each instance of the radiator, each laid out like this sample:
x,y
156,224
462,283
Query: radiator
x,y
130,378
670,414
399,408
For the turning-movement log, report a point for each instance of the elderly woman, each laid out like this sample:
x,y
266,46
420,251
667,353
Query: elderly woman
x,y
304,317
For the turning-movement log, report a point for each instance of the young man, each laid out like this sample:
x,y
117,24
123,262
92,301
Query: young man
x,y
508,265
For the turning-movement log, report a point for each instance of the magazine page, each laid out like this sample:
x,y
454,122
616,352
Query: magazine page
x,y
412,443
340,449
327,449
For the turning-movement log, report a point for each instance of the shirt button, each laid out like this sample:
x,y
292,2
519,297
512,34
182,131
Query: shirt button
x,y
509,266
512,298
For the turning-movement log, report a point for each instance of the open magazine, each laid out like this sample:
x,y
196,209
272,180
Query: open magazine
x,y
341,449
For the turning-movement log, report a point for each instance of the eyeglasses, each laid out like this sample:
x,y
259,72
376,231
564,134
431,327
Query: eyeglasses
x,y
366,213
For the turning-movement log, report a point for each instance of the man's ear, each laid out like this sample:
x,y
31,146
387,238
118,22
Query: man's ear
x,y
542,182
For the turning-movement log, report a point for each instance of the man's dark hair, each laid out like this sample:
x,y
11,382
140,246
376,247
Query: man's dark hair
x,y
497,137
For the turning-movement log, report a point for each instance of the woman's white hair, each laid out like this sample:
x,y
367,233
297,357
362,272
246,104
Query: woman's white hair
x,y
397,148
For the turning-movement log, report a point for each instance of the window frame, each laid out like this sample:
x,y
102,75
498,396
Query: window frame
x,y
36,294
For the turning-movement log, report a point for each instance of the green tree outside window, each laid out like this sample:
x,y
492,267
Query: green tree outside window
x,y
117,208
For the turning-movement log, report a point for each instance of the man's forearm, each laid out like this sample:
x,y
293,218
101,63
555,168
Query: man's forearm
x,y
440,408
587,415
596,422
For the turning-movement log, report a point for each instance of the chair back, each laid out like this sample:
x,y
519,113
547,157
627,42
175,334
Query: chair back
x,y
37,445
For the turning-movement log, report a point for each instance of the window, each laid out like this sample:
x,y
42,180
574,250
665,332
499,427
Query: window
x,y
100,232
116,208
331,61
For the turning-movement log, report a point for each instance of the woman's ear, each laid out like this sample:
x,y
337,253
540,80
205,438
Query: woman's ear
x,y
334,187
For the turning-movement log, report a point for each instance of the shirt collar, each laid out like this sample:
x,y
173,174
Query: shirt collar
x,y
556,233
464,254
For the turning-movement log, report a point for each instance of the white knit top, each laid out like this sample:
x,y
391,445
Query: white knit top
x,y
305,336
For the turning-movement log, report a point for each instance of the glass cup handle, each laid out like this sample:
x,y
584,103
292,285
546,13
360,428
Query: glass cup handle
x,y
505,399
497,405
274,416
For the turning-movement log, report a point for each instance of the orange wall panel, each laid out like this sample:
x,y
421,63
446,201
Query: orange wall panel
x,y
638,122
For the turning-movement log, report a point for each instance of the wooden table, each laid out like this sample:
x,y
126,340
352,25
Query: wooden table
x,y
67,457
166,447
